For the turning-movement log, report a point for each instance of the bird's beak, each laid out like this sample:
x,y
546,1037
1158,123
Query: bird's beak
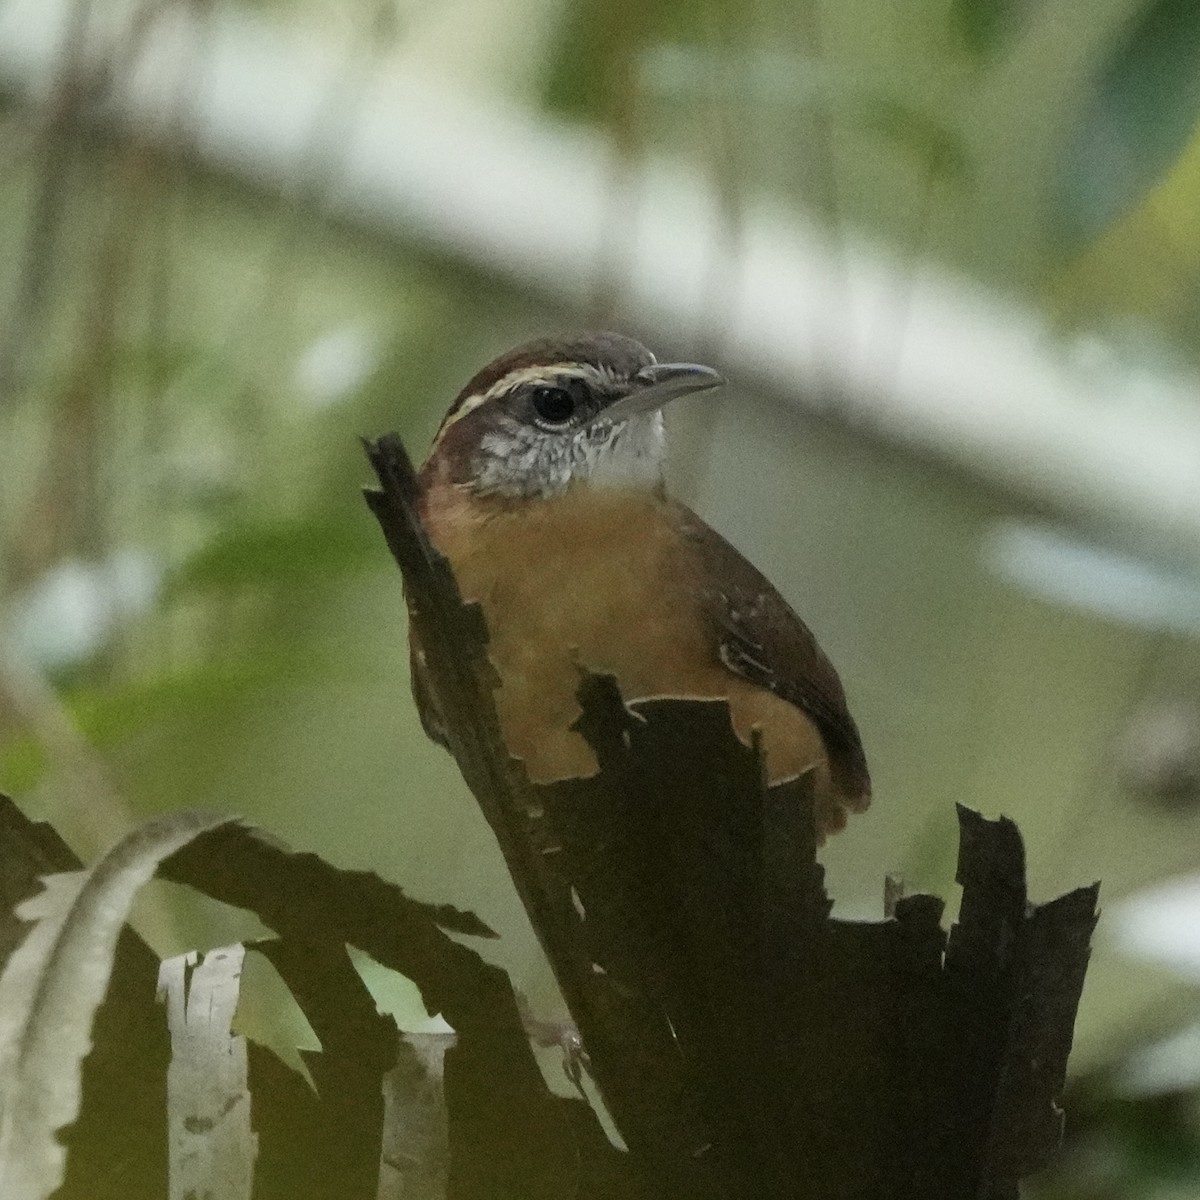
x,y
657,385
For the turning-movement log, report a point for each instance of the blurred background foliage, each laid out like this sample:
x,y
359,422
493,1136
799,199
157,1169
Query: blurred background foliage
x,y
197,610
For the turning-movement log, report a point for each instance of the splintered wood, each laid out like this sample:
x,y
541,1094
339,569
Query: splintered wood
x,y
212,1147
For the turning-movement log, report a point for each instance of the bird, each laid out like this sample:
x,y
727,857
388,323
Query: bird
x,y
544,489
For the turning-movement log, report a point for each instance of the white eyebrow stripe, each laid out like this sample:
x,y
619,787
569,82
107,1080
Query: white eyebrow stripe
x,y
596,376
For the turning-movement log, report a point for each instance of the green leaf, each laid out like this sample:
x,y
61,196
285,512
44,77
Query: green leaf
x,y
986,24
928,140
200,693
23,761
280,553
1142,113
593,67
107,716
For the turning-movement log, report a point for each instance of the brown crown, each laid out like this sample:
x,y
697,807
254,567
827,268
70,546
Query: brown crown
x,y
621,355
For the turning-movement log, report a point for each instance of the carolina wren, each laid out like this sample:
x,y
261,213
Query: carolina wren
x,y
544,490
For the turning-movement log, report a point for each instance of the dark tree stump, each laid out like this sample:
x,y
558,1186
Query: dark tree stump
x,y
747,1044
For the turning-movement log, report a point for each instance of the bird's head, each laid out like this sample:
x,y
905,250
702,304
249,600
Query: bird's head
x,y
561,411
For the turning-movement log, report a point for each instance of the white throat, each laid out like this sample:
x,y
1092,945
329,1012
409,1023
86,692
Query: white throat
x,y
518,461
632,457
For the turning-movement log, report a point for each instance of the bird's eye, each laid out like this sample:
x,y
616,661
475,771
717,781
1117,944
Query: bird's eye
x,y
554,405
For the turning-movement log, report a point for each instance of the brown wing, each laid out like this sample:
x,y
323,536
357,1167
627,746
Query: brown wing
x,y
764,641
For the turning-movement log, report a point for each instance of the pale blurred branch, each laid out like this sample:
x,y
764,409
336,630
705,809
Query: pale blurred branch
x,y
984,384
